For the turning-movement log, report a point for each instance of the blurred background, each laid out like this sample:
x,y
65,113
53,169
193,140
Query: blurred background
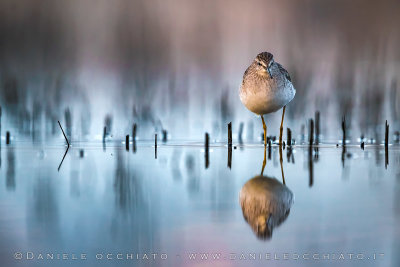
x,y
177,65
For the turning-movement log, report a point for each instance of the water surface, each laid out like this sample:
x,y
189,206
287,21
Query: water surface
x,y
128,205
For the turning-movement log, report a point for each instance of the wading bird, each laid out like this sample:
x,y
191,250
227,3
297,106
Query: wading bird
x,y
266,87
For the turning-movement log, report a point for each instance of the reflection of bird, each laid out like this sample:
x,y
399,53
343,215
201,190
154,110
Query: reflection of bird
x,y
265,204
266,87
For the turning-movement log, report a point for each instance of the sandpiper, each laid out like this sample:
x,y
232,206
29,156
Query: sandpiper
x,y
266,87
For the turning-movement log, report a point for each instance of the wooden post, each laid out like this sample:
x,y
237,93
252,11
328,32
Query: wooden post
x,y
289,137
317,127
134,132
127,142
206,150
7,138
0,136
269,148
396,136
303,133
344,130
386,144
230,134
386,134
155,146
104,138
241,125
66,139
311,133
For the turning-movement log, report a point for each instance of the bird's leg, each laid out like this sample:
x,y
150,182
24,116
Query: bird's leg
x,y
265,160
265,130
281,129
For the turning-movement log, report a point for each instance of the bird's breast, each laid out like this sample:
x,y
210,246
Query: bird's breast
x,y
268,96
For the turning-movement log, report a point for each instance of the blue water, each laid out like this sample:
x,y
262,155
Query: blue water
x,y
120,204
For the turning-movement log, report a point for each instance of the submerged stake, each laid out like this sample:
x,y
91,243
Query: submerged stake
x,y
289,137
344,130
386,144
386,134
230,133
311,132
206,145
66,139
317,132
0,136
134,132
241,132
7,137
127,142
155,146
164,135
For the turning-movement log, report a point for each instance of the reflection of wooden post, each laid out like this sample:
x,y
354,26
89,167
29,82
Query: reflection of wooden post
x,y
127,142
229,157
230,134
310,168
134,146
206,150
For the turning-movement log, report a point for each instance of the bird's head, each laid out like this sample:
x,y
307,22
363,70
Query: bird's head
x,y
263,63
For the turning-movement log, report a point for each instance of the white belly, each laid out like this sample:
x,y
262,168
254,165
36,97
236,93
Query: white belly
x,y
267,99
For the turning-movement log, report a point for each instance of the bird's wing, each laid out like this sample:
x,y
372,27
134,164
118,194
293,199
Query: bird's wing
x,y
284,72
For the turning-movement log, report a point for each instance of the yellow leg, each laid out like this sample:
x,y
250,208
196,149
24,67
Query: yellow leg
x,y
265,160
281,129
265,130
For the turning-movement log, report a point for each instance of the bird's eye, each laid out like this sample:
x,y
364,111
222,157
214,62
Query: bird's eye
x,y
259,64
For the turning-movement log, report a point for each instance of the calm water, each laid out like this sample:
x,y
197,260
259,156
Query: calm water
x,y
129,205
